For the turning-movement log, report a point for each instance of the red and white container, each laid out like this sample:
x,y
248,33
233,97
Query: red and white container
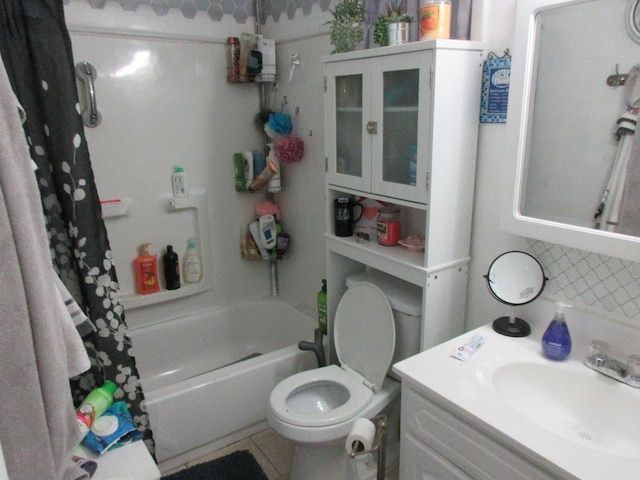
x,y
388,226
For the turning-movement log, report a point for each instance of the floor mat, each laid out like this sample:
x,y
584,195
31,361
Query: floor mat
x,y
240,465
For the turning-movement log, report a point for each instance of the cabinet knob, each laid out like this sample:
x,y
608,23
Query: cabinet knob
x,y
372,128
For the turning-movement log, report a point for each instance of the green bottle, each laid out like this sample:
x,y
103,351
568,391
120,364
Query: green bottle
x,y
322,307
95,405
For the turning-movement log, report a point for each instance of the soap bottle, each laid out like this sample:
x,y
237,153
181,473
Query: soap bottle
x,y
96,403
146,267
556,341
322,307
179,183
192,267
171,269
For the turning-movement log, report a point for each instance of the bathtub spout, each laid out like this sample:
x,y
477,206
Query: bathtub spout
x,y
316,347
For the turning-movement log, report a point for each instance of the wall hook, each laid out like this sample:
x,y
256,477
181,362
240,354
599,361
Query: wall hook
x,y
617,79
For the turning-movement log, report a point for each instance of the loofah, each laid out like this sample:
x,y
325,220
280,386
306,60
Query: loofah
x,y
267,207
290,148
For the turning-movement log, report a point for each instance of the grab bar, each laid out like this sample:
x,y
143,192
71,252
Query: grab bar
x,y
86,73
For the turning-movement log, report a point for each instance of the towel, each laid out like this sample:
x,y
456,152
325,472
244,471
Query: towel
x,y
38,429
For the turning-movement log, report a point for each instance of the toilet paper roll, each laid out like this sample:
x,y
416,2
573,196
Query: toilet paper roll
x,y
361,436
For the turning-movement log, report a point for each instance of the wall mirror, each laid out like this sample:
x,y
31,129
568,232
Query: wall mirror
x,y
562,122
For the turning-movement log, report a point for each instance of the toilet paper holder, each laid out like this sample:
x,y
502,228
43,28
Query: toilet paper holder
x,y
379,445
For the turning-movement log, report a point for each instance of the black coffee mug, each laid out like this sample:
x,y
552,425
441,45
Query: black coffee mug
x,y
343,216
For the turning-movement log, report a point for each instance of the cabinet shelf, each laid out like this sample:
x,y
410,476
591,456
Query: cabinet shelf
x,y
397,261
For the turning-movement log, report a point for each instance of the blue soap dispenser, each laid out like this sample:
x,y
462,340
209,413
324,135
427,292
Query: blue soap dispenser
x,y
556,341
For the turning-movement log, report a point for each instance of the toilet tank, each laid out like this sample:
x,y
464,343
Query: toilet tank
x,y
406,302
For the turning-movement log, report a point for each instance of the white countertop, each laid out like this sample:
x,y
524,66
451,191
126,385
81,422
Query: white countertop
x,y
130,462
468,387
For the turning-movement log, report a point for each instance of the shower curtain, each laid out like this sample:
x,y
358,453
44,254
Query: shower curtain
x,y
36,50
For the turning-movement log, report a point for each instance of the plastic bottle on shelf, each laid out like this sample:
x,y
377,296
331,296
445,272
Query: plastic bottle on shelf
x,y
171,269
96,403
146,268
179,183
191,264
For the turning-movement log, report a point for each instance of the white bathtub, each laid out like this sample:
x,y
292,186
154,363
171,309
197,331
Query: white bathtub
x,y
207,377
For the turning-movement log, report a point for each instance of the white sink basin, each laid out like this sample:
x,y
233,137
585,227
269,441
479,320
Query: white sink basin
x,y
574,402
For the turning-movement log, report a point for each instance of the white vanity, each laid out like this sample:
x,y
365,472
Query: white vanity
x,y
510,413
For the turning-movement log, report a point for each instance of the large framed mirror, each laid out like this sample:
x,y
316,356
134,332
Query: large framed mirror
x,y
562,122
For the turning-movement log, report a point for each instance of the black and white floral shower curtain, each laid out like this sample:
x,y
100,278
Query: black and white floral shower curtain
x,y
36,50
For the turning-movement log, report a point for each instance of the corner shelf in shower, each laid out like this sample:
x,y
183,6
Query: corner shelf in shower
x,y
199,202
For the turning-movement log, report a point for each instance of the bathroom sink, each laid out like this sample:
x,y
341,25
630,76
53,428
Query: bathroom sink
x,y
575,422
576,403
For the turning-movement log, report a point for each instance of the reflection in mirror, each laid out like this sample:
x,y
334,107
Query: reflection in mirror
x,y
514,278
565,127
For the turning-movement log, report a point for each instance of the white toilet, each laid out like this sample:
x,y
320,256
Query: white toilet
x,y
317,408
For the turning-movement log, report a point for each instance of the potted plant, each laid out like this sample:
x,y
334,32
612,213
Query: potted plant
x,y
346,30
392,26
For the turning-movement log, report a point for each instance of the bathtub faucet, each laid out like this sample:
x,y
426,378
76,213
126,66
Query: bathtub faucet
x,y
315,347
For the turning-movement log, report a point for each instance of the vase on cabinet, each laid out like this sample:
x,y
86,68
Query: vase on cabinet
x,y
398,33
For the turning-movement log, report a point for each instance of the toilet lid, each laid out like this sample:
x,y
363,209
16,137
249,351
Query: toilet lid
x,y
364,332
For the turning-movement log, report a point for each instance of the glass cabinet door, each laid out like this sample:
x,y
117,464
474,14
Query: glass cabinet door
x,y
348,147
349,124
400,122
402,154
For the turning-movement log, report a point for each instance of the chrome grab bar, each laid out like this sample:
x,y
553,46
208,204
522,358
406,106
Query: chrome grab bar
x,y
86,73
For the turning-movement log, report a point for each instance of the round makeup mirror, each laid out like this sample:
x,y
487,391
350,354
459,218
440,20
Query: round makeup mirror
x,y
514,278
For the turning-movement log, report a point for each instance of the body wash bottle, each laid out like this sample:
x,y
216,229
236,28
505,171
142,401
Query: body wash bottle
x,y
191,263
556,341
146,267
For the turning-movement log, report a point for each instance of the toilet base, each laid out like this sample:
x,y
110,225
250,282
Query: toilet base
x,y
330,460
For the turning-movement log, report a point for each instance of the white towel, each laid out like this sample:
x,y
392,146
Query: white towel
x,y
37,426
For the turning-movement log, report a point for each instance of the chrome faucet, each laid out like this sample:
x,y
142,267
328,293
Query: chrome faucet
x,y
599,360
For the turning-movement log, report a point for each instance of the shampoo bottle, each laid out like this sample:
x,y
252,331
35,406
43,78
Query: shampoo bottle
x,y
95,405
191,263
556,341
171,269
322,307
146,267
179,183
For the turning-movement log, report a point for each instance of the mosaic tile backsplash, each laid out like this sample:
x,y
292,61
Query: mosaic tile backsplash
x,y
598,281
241,10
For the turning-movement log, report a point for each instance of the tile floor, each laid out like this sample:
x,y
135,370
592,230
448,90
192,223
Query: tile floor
x,y
273,452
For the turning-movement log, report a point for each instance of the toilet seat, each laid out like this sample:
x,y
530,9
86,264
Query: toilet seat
x,y
364,336
356,395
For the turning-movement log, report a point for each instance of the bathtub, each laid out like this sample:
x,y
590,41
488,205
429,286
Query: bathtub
x,y
207,376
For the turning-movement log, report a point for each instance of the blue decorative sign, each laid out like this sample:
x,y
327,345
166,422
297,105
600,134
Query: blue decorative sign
x,y
495,88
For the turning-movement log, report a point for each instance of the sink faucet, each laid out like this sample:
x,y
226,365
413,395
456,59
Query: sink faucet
x,y
599,360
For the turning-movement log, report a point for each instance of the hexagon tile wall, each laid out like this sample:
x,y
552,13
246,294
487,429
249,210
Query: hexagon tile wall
x,y
215,9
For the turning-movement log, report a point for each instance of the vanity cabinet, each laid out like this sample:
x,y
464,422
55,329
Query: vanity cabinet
x,y
401,128
437,444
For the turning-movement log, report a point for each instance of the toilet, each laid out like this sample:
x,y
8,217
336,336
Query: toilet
x,y
317,408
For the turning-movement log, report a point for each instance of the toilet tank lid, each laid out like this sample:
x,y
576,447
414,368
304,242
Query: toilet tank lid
x,y
403,296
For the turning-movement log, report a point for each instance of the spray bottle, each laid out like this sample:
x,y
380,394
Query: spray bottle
x,y
556,341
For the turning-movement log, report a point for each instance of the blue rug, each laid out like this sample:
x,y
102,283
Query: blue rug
x,y
240,465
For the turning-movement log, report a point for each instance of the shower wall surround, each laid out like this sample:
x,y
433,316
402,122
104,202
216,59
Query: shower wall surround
x,y
241,10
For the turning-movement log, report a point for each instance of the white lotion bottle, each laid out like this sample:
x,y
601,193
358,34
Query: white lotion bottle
x,y
191,264
179,183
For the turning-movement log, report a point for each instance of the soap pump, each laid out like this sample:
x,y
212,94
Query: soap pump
x,y
556,341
